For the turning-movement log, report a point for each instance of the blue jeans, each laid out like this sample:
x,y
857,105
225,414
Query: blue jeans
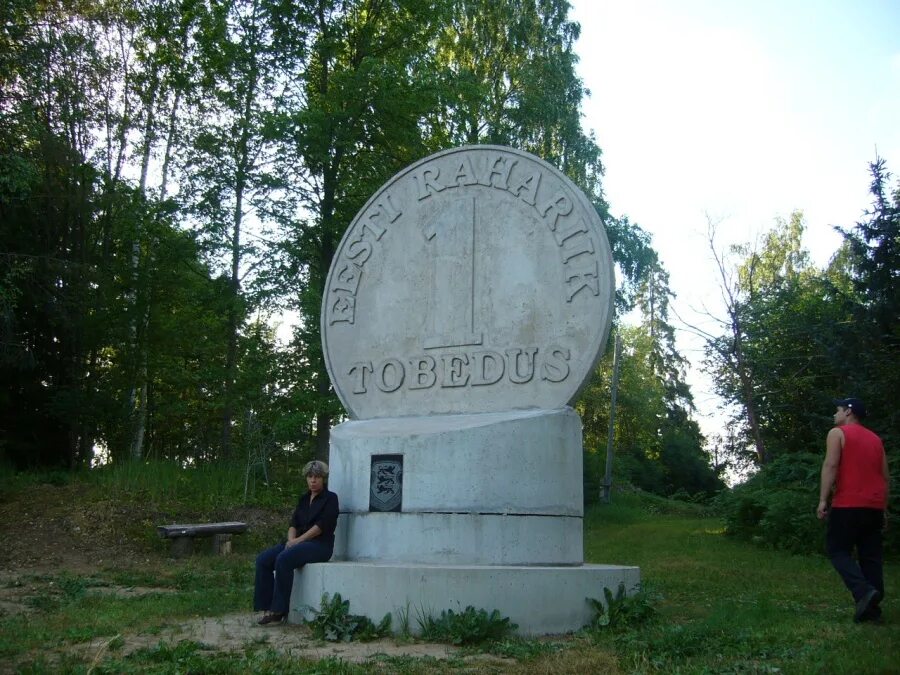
x,y
274,593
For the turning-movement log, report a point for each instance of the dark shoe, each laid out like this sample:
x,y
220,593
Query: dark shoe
x,y
873,613
271,618
866,604
872,618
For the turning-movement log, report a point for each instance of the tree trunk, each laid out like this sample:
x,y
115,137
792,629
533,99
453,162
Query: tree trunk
x,y
323,381
137,394
244,165
735,361
746,386
232,326
170,142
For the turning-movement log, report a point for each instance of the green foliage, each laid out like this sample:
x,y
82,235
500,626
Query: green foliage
x,y
634,256
677,644
60,590
872,339
470,626
657,447
776,507
334,622
621,610
139,324
874,245
404,629
696,506
791,318
797,337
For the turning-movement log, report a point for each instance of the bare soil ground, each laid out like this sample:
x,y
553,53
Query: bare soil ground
x,y
234,632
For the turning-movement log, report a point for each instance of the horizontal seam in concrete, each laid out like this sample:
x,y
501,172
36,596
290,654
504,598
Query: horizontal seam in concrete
x,y
467,513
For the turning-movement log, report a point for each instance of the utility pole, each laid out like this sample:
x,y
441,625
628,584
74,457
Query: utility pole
x,y
606,486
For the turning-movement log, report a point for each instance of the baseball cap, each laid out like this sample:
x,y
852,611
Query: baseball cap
x,y
856,406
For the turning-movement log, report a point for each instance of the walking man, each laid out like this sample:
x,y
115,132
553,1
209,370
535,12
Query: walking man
x,y
856,467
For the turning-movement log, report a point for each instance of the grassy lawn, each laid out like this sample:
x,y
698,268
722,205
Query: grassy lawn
x,y
728,606
722,606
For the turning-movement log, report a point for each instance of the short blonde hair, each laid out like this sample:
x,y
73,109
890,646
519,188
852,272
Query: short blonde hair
x,y
316,468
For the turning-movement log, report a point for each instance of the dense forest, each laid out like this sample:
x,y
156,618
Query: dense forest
x,y
175,176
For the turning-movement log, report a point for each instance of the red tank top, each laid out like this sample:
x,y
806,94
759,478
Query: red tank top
x,y
860,479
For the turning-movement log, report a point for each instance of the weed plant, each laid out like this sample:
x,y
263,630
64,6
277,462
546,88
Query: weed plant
x,y
334,622
622,610
471,626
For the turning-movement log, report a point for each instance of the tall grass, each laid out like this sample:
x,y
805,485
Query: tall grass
x,y
208,486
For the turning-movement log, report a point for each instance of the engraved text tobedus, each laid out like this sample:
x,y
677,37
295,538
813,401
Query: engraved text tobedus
x,y
467,369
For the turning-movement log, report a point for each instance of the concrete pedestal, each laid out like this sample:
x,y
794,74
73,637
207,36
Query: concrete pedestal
x,y
491,516
540,600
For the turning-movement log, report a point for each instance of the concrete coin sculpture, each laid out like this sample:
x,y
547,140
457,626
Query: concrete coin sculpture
x,y
479,279
466,306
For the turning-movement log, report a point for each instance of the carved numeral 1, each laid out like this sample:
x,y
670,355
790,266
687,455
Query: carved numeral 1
x,y
452,310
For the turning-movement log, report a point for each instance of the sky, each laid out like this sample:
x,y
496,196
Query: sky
x,y
740,112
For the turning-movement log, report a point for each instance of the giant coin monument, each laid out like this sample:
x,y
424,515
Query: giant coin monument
x,y
466,306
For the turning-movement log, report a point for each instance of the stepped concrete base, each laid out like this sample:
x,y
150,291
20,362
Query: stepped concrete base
x,y
541,600
459,539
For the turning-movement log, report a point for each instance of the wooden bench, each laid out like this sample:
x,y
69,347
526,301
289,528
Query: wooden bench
x,y
182,536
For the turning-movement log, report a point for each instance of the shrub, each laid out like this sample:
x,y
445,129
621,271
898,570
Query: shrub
x,y
776,507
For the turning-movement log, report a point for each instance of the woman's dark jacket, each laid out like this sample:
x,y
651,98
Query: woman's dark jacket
x,y
322,512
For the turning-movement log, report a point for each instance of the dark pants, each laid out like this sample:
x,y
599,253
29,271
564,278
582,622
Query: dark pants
x,y
860,529
274,593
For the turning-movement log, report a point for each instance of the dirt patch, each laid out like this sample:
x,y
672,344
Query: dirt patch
x,y
95,532
14,594
236,632
130,591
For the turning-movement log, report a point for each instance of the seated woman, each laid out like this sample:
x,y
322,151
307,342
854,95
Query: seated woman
x,y
310,538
